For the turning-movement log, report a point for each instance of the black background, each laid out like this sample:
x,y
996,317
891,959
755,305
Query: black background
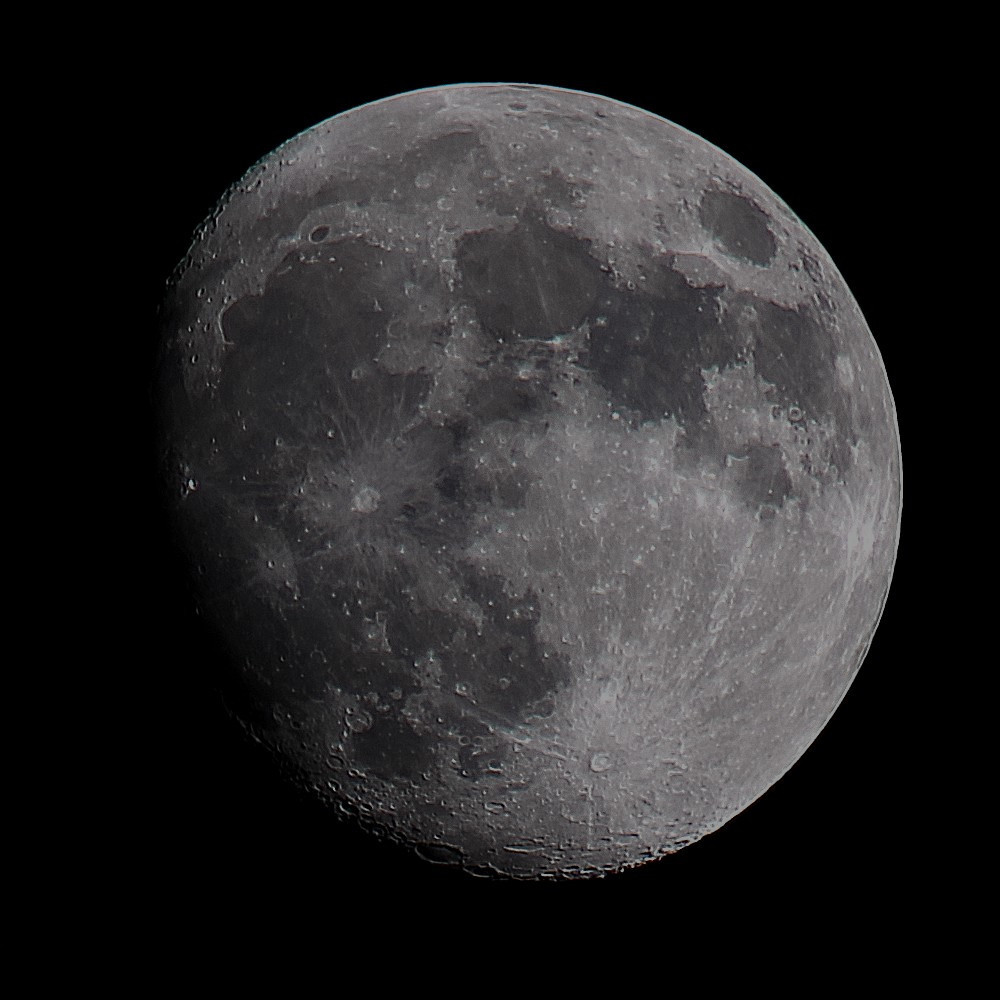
x,y
212,824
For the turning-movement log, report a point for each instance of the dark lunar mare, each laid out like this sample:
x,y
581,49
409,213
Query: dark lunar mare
x,y
298,385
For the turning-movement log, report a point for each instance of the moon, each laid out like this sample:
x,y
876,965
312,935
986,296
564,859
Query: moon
x,y
537,468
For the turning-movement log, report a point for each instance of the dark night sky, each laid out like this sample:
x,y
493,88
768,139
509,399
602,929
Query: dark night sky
x,y
845,822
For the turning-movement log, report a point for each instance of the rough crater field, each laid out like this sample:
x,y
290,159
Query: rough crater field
x,y
538,468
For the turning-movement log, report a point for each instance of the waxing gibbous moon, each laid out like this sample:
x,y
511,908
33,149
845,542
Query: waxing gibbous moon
x,y
537,469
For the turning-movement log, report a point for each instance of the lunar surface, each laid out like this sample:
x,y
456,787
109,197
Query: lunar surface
x,y
537,468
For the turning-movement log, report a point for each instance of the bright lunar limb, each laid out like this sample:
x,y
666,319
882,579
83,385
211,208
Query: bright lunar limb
x,y
538,469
